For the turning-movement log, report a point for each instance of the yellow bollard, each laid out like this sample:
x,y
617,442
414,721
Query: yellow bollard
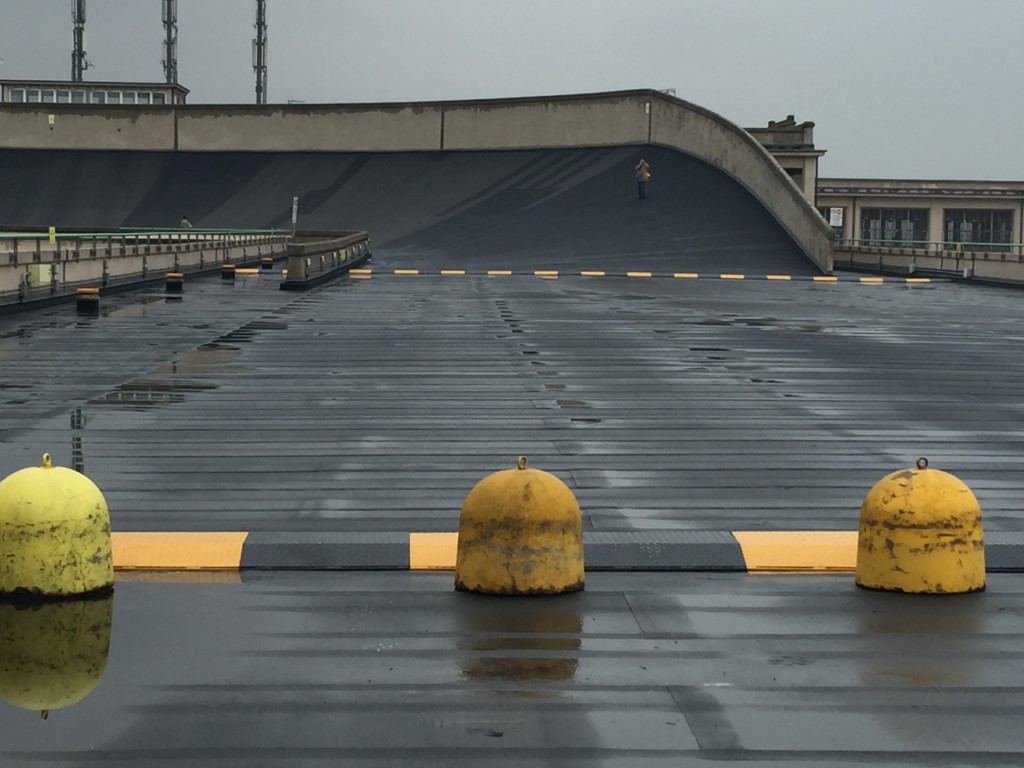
x,y
520,533
53,655
87,301
174,282
54,534
920,532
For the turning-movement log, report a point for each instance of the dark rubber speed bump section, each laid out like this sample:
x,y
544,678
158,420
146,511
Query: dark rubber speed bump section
x,y
1004,551
326,551
662,550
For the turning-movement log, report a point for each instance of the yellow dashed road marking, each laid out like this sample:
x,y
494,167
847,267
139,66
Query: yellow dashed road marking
x,y
546,272
360,271
778,277
638,274
407,271
730,276
688,275
825,279
592,273
499,271
872,280
918,279
453,271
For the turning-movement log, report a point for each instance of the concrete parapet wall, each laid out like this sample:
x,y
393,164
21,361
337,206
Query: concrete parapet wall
x,y
991,266
86,127
628,117
326,128
556,122
33,268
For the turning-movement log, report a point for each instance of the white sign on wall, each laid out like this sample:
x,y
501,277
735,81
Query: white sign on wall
x,y
835,217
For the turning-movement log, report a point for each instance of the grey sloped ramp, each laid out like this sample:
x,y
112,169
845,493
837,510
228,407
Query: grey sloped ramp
x,y
529,209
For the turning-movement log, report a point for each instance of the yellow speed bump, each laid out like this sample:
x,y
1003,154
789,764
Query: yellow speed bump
x,y
920,531
731,276
499,272
178,551
546,272
778,277
433,551
825,279
638,274
453,271
798,550
686,275
872,280
407,271
592,273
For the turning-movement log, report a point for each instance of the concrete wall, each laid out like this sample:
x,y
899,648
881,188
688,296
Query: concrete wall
x,y
992,267
86,127
33,268
328,128
628,117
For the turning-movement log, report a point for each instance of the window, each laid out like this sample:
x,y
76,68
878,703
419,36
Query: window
x,y
982,229
113,97
78,97
33,96
143,97
99,97
63,97
158,98
128,97
18,94
907,227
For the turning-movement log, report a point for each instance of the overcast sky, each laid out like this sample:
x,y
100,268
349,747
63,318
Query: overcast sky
x,y
897,88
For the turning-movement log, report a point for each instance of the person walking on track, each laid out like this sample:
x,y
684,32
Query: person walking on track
x,y
643,175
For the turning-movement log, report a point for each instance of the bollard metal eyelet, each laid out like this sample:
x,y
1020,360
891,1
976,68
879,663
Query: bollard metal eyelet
x,y
922,462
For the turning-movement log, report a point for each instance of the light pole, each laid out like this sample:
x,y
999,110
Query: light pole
x,y
259,52
78,60
170,57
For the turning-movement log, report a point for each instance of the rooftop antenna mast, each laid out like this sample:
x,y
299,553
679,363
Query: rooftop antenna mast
x,y
78,60
259,52
170,58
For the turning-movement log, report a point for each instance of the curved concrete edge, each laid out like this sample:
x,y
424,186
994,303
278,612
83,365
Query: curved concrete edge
x,y
618,118
743,551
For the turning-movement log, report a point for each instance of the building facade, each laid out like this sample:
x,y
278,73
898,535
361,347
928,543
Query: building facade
x,y
67,92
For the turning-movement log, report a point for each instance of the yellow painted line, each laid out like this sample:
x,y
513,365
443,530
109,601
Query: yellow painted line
x,y
872,280
362,277
499,271
247,270
638,274
729,276
591,273
546,272
453,271
432,551
407,271
798,550
360,271
778,277
918,279
825,279
688,275
172,551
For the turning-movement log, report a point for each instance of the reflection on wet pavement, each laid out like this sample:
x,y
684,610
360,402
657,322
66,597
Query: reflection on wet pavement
x,y
53,654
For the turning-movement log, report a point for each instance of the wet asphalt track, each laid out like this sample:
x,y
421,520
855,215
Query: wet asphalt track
x,y
659,670
375,404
